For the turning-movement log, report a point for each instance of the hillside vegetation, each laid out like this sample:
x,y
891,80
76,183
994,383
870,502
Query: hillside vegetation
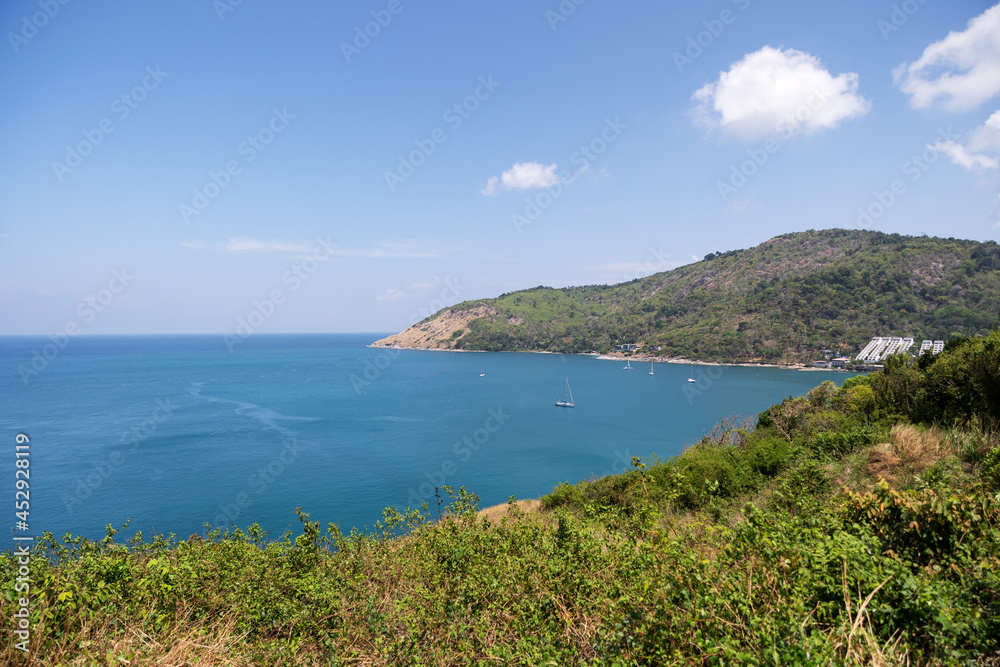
x,y
857,525
782,301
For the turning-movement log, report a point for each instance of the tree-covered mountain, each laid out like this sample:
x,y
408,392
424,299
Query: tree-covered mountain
x,y
782,301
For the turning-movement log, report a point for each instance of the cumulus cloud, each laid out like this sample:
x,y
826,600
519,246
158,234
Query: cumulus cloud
x,y
960,71
522,176
961,156
775,92
981,150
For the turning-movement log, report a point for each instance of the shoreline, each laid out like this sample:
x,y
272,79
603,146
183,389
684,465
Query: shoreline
x,y
611,356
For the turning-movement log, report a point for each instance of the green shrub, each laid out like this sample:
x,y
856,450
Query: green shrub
x,y
830,445
989,469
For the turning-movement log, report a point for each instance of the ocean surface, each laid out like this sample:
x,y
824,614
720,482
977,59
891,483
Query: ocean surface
x,y
173,432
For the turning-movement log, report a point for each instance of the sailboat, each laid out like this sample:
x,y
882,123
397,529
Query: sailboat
x,y
568,399
628,365
481,372
651,368
691,379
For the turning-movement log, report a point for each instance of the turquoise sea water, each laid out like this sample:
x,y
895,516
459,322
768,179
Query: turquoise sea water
x,y
173,432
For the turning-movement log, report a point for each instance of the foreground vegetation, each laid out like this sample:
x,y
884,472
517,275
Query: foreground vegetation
x,y
834,289
854,525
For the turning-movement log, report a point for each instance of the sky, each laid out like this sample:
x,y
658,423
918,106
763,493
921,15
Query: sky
x,y
240,166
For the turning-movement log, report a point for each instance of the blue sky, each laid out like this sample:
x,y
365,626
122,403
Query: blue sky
x,y
178,167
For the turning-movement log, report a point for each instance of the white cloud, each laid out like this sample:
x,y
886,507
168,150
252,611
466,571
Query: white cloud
x,y
987,137
491,186
390,251
424,284
961,156
980,151
380,251
522,176
391,294
961,71
774,92
250,244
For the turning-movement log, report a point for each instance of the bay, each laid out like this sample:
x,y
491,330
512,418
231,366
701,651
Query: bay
x,y
173,432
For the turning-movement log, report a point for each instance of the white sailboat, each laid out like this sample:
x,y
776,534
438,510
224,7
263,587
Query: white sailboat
x,y
691,379
568,399
481,372
651,368
628,365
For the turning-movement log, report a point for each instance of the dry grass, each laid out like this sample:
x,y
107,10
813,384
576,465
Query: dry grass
x,y
910,451
496,513
859,644
207,644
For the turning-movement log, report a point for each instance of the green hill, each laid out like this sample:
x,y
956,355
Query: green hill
x,y
782,301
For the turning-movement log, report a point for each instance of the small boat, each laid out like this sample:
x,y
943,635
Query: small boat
x,y
627,366
482,374
651,368
568,399
691,380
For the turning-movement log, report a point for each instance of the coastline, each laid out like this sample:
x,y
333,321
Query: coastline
x,y
610,356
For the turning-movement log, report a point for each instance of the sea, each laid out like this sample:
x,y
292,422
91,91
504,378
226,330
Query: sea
x,y
180,434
